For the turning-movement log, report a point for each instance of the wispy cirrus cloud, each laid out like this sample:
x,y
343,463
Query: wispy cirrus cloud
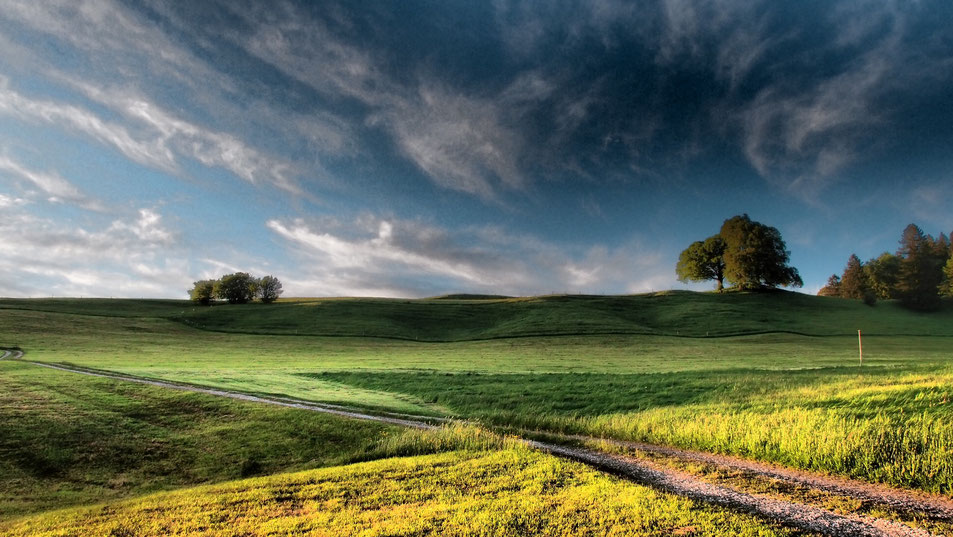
x,y
152,136
804,138
131,69
150,152
458,140
55,188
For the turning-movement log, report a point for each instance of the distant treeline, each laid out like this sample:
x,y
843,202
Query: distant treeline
x,y
236,288
918,274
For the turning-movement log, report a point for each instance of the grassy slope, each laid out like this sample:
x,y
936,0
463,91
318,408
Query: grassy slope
x,y
789,398
507,492
670,313
72,440
68,439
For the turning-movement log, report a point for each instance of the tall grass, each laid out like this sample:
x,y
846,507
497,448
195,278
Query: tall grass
x,y
915,451
453,437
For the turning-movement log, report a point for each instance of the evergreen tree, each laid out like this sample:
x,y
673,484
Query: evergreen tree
x,y
882,274
946,286
920,270
853,284
941,248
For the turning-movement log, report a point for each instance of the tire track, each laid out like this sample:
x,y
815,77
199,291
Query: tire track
x,y
791,514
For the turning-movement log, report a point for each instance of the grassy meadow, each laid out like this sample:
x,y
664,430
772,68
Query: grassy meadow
x,y
92,456
777,377
507,491
69,439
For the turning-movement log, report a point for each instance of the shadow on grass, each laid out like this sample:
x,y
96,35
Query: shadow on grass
x,y
580,395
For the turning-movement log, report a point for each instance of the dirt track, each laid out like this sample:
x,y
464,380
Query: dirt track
x,y
788,513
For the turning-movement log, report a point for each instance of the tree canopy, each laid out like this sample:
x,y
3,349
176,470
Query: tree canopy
x,y
918,274
745,253
756,256
269,289
236,288
203,291
703,260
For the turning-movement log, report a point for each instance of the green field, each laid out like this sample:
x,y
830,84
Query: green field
x,y
108,446
776,379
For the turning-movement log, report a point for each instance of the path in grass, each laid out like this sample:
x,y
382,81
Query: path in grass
x,y
790,513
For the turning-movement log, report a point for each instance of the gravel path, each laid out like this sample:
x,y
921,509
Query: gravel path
x,y
791,514
902,500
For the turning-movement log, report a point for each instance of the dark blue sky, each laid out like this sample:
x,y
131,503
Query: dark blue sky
x,y
418,148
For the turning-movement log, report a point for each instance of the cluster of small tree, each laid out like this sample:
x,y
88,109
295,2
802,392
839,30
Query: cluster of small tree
x,y
918,274
746,254
237,288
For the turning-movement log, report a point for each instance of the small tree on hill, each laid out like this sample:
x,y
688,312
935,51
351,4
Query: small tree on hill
x,y
269,289
202,291
237,288
703,260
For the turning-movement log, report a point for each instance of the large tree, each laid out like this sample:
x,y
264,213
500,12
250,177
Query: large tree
x,y
702,261
756,256
745,253
237,288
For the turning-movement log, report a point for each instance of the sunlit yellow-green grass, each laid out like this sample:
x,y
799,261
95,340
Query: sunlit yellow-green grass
x,y
796,399
511,491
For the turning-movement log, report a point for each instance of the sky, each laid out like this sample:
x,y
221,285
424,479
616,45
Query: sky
x,y
419,148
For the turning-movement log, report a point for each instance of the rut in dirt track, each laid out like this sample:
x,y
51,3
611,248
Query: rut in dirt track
x,y
791,514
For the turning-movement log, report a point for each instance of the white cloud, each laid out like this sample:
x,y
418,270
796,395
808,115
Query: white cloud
x,y
136,65
55,187
131,258
386,257
150,152
9,201
460,142
153,137
113,37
